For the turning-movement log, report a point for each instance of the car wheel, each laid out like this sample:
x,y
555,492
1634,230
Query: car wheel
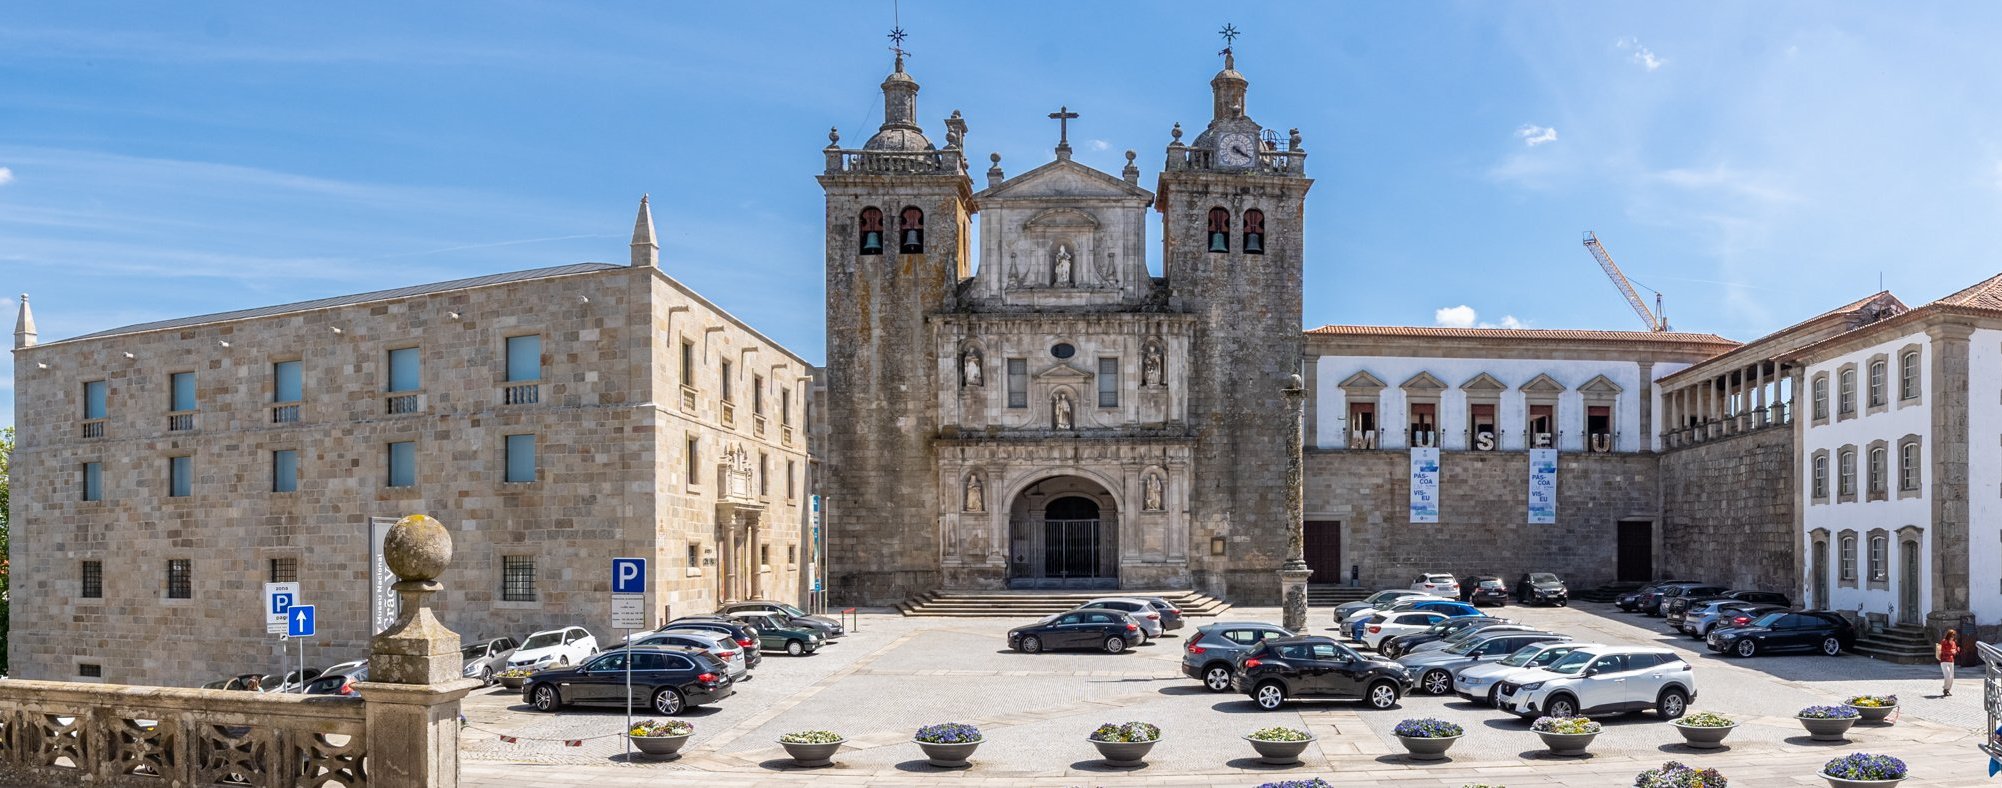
x,y
1115,644
1831,647
668,701
1494,694
1564,603
1217,678
1672,704
1381,695
1032,645
1269,696
563,660
1747,648
1561,706
1386,648
486,675
795,648
1436,682
546,698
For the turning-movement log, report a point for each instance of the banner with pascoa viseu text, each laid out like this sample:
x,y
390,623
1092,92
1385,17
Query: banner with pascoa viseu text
x,y
1542,486
1425,485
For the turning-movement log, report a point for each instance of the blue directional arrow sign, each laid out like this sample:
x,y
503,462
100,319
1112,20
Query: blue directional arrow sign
x,y
299,621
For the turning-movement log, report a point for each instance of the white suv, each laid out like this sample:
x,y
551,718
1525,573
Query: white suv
x,y
1438,583
1602,680
566,646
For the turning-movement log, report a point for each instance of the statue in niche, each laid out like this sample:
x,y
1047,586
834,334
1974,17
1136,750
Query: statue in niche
x,y
1061,275
1014,271
1151,492
1060,410
971,368
1108,273
1150,365
976,494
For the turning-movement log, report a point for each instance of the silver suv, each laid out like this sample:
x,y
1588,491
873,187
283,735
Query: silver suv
x,y
1602,680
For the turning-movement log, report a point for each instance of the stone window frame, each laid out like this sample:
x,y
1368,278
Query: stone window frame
x,y
1877,559
1817,476
1818,398
184,568
1912,535
1877,470
1818,542
172,463
1601,392
691,459
85,491
90,579
513,592
1913,486
1422,389
1845,392
1845,559
1013,370
1911,383
1483,389
274,454
1362,388
1098,383
1877,384
693,557
1542,390
1845,473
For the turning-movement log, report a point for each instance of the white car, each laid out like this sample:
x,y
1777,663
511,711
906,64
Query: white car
x,y
1438,583
566,646
1140,610
1402,597
1394,624
1602,680
718,645
1480,682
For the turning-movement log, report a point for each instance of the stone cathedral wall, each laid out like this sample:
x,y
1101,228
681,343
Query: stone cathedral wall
x,y
1728,512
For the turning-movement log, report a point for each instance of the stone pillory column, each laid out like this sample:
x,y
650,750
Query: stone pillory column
x,y
414,669
1293,574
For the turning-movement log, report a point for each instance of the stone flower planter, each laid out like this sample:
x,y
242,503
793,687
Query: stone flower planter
x,y
1279,753
1569,745
513,682
659,745
1428,748
1876,715
812,754
1124,753
948,756
1827,729
1704,738
1843,782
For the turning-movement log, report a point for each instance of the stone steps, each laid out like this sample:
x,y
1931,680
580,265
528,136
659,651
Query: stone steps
x,y
1330,596
1016,604
1904,644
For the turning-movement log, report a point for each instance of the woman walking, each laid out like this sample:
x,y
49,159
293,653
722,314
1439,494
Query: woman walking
x,y
1948,652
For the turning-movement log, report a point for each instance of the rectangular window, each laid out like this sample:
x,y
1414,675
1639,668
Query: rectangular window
x,y
792,554
93,579
1849,558
785,406
1846,482
1908,375
694,555
180,476
726,389
90,670
403,464
517,578
405,370
1108,382
1877,471
1424,423
687,363
1481,425
1599,427
93,399
1877,569
93,481
1908,466
1542,425
180,579
286,384
1821,476
764,475
520,458
1876,383
524,358
284,570
1845,392
758,394
765,555
285,471
182,388
1821,397
1018,383
1362,425
692,462
792,491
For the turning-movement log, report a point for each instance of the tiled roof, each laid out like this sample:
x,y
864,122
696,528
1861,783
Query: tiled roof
x,y
350,300
1986,295
1551,334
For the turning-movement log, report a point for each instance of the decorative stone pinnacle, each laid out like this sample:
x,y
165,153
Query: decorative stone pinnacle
x,y
833,136
1176,132
24,326
417,549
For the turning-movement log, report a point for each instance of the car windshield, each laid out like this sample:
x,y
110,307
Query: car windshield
x,y
1438,579
1571,663
1522,656
1768,619
793,611
470,652
544,640
1462,648
1543,577
1491,583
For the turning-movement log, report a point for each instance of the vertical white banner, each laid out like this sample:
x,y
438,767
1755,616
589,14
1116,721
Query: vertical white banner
x,y
1425,485
1542,486
383,604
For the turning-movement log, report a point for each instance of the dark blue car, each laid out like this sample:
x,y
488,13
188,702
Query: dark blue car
x,y
1450,609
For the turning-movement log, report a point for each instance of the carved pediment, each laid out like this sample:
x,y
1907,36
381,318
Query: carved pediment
x,y
1063,178
1062,373
1423,381
1601,386
1062,219
1484,383
1362,381
1542,384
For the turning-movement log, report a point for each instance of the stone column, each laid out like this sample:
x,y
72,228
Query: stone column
x,y
1646,394
1949,398
414,669
1293,574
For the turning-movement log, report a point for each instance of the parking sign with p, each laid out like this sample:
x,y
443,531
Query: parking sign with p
x,y
628,575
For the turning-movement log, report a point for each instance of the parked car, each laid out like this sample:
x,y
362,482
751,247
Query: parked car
x,y
295,679
1311,666
1401,644
717,644
1541,588
1143,613
1104,628
1480,628
1373,601
1481,682
1483,590
1680,607
1384,626
484,658
1603,680
1633,600
1673,602
338,683
1805,630
1437,583
1171,616
777,633
554,647
1213,649
253,682
744,637
667,680
829,628
1433,671
1720,615
1655,603
1444,607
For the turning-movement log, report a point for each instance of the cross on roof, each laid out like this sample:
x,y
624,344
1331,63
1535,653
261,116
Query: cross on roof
x,y
1229,33
897,41
1063,117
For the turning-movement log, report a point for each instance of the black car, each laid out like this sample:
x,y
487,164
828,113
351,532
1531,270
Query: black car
x,y
1633,602
1655,602
1693,598
1541,588
665,679
1312,666
1675,601
1402,644
1091,628
1805,630
1483,590
737,631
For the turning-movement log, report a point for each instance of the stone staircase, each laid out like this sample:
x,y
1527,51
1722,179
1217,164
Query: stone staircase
x,y
1903,644
1024,604
1330,595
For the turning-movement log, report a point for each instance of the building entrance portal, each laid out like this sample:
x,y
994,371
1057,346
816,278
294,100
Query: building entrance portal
x,y
1063,533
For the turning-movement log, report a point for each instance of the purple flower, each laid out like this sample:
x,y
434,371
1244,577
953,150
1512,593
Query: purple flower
x,y
1866,766
948,733
1829,713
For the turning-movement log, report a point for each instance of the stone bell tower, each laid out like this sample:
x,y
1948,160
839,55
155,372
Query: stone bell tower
x,y
1232,206
898,211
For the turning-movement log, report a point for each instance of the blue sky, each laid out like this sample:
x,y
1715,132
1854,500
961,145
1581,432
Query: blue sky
x,y
1758,162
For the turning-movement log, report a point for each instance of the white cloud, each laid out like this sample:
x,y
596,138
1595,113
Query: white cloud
x,y
1534,135
1464,316
1100,145
1755,186
6,176
1642,55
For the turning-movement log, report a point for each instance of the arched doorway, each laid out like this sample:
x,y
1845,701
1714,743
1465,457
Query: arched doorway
x,y
1063,532
1819,555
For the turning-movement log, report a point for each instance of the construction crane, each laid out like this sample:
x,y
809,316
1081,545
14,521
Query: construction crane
x,y
1656,320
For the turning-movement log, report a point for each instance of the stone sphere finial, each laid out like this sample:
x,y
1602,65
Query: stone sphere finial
x,y
1130,156
417,548
1294,383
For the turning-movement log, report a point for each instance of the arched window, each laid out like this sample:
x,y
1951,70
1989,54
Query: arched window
x,y
1908,375
1219,230
1849,557
1820,476
1846,482
1845,392
1876,384
1908,466
1878,545
1254,231
1877,463
911,231
872,230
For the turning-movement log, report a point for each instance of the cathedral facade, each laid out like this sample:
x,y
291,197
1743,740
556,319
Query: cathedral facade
x,y
1056,416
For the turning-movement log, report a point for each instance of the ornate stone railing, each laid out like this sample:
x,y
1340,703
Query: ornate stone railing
x,y
64,733
944,161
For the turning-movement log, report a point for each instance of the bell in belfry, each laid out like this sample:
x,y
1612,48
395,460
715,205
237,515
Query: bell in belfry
x,y
1219,241
872,242
1254,243
914,241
